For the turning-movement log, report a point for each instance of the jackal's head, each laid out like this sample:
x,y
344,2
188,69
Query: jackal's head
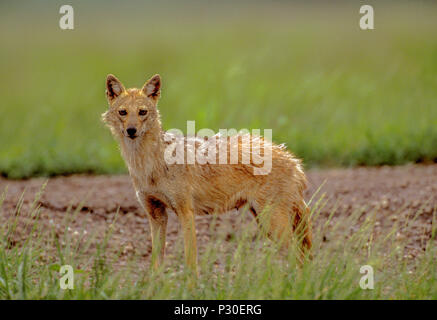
x,y
132,113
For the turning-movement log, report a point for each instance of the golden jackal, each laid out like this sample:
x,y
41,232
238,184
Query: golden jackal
x,y
212,187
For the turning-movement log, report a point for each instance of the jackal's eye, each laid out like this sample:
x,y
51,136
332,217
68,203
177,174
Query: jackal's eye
x,y
122,112
142,112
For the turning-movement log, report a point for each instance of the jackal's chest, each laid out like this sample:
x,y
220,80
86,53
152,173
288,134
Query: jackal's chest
x,y
146,186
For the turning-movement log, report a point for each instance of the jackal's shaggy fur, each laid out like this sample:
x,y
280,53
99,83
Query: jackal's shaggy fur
x,y
189,189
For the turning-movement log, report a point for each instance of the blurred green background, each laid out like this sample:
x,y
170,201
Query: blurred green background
x,y
336,95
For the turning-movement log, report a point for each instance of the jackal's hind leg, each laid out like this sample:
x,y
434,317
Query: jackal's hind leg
x,y
286,224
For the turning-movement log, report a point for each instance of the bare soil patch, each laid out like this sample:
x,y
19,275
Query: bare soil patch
x,y
392,194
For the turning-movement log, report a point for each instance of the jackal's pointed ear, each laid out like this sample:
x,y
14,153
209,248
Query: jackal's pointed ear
x,y
152,88
113,87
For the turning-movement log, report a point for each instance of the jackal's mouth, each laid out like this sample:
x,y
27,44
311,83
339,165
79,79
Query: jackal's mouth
x,y
133,137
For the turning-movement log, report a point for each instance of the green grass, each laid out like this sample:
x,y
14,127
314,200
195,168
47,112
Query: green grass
x,y
338,96
251,267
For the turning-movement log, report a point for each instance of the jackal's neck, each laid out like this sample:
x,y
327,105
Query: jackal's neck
x,y
144,155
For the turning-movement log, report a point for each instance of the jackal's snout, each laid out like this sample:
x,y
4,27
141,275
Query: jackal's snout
x,y
131,132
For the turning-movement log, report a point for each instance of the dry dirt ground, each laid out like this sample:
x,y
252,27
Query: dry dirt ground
x,y
393,194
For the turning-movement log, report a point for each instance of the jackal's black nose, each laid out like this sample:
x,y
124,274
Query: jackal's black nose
x,y
131,132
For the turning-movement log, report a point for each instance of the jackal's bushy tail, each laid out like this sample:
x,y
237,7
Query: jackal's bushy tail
x,y
303,230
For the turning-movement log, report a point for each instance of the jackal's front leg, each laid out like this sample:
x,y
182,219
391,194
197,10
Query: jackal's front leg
x,y
158,227
186,217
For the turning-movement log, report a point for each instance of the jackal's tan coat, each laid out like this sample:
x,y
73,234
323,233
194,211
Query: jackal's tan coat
x,y
189,189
